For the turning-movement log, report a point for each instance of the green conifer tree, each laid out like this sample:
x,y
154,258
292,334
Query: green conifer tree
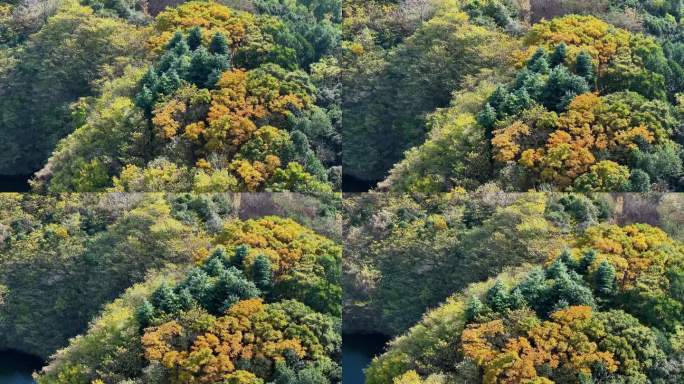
x,y
195,38
262,273
605,279
238,259
219,45
558,55
584,67
474,308
586,261
497,297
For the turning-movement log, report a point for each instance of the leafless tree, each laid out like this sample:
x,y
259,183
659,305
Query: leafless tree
x,y
548,9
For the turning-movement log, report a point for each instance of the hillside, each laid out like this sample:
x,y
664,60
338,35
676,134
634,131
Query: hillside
x,y
491,287
548,95
198,96
160,288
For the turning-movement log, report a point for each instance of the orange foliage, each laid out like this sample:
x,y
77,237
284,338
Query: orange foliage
x,y
247,331
561,341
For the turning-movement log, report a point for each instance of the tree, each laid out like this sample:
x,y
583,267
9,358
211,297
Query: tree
x,y
175,41
561,87
540,66
558,56
195,38
586,261
262,272
557,270
584,67
241,252
39,85
165,299
474,308
145,313
605,278
566,258
497,297
639,181
487,119
539,54
219,44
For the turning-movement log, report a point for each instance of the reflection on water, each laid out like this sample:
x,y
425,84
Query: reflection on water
x,y
16,368
357,352
15,183
352,184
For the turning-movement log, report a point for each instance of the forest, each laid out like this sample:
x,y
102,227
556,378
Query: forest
x,y
493,287
190,169
169,96
550,95
173,288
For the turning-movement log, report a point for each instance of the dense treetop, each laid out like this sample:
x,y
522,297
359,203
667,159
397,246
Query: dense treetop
x,y
201,97
208,289
605,307
569,96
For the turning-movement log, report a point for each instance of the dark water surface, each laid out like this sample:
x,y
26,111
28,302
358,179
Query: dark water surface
x,y
352,184
14,183
16,367
357,352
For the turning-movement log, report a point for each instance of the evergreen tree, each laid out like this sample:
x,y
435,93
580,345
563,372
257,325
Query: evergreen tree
x,y
241,252
561,87
197,283
566,258
144,314
230,288
487,119
195,38
540,66
539,54
175,40
314,166
517,299
474,308
584,67
169,82
497,297
213,266
639,181
586,261
219,45
558,55
605,278
166,300
185,298
300,144
534,287
145,99
181,48
560,304
218,256
200,67
262,273
497,98
213,78
557,270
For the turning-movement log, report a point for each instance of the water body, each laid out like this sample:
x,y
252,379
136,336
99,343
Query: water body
x,y
357,352
16,367
14,183
352,184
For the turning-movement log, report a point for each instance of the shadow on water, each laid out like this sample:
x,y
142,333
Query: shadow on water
x,y
17,367
352,184
357,352
15,183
